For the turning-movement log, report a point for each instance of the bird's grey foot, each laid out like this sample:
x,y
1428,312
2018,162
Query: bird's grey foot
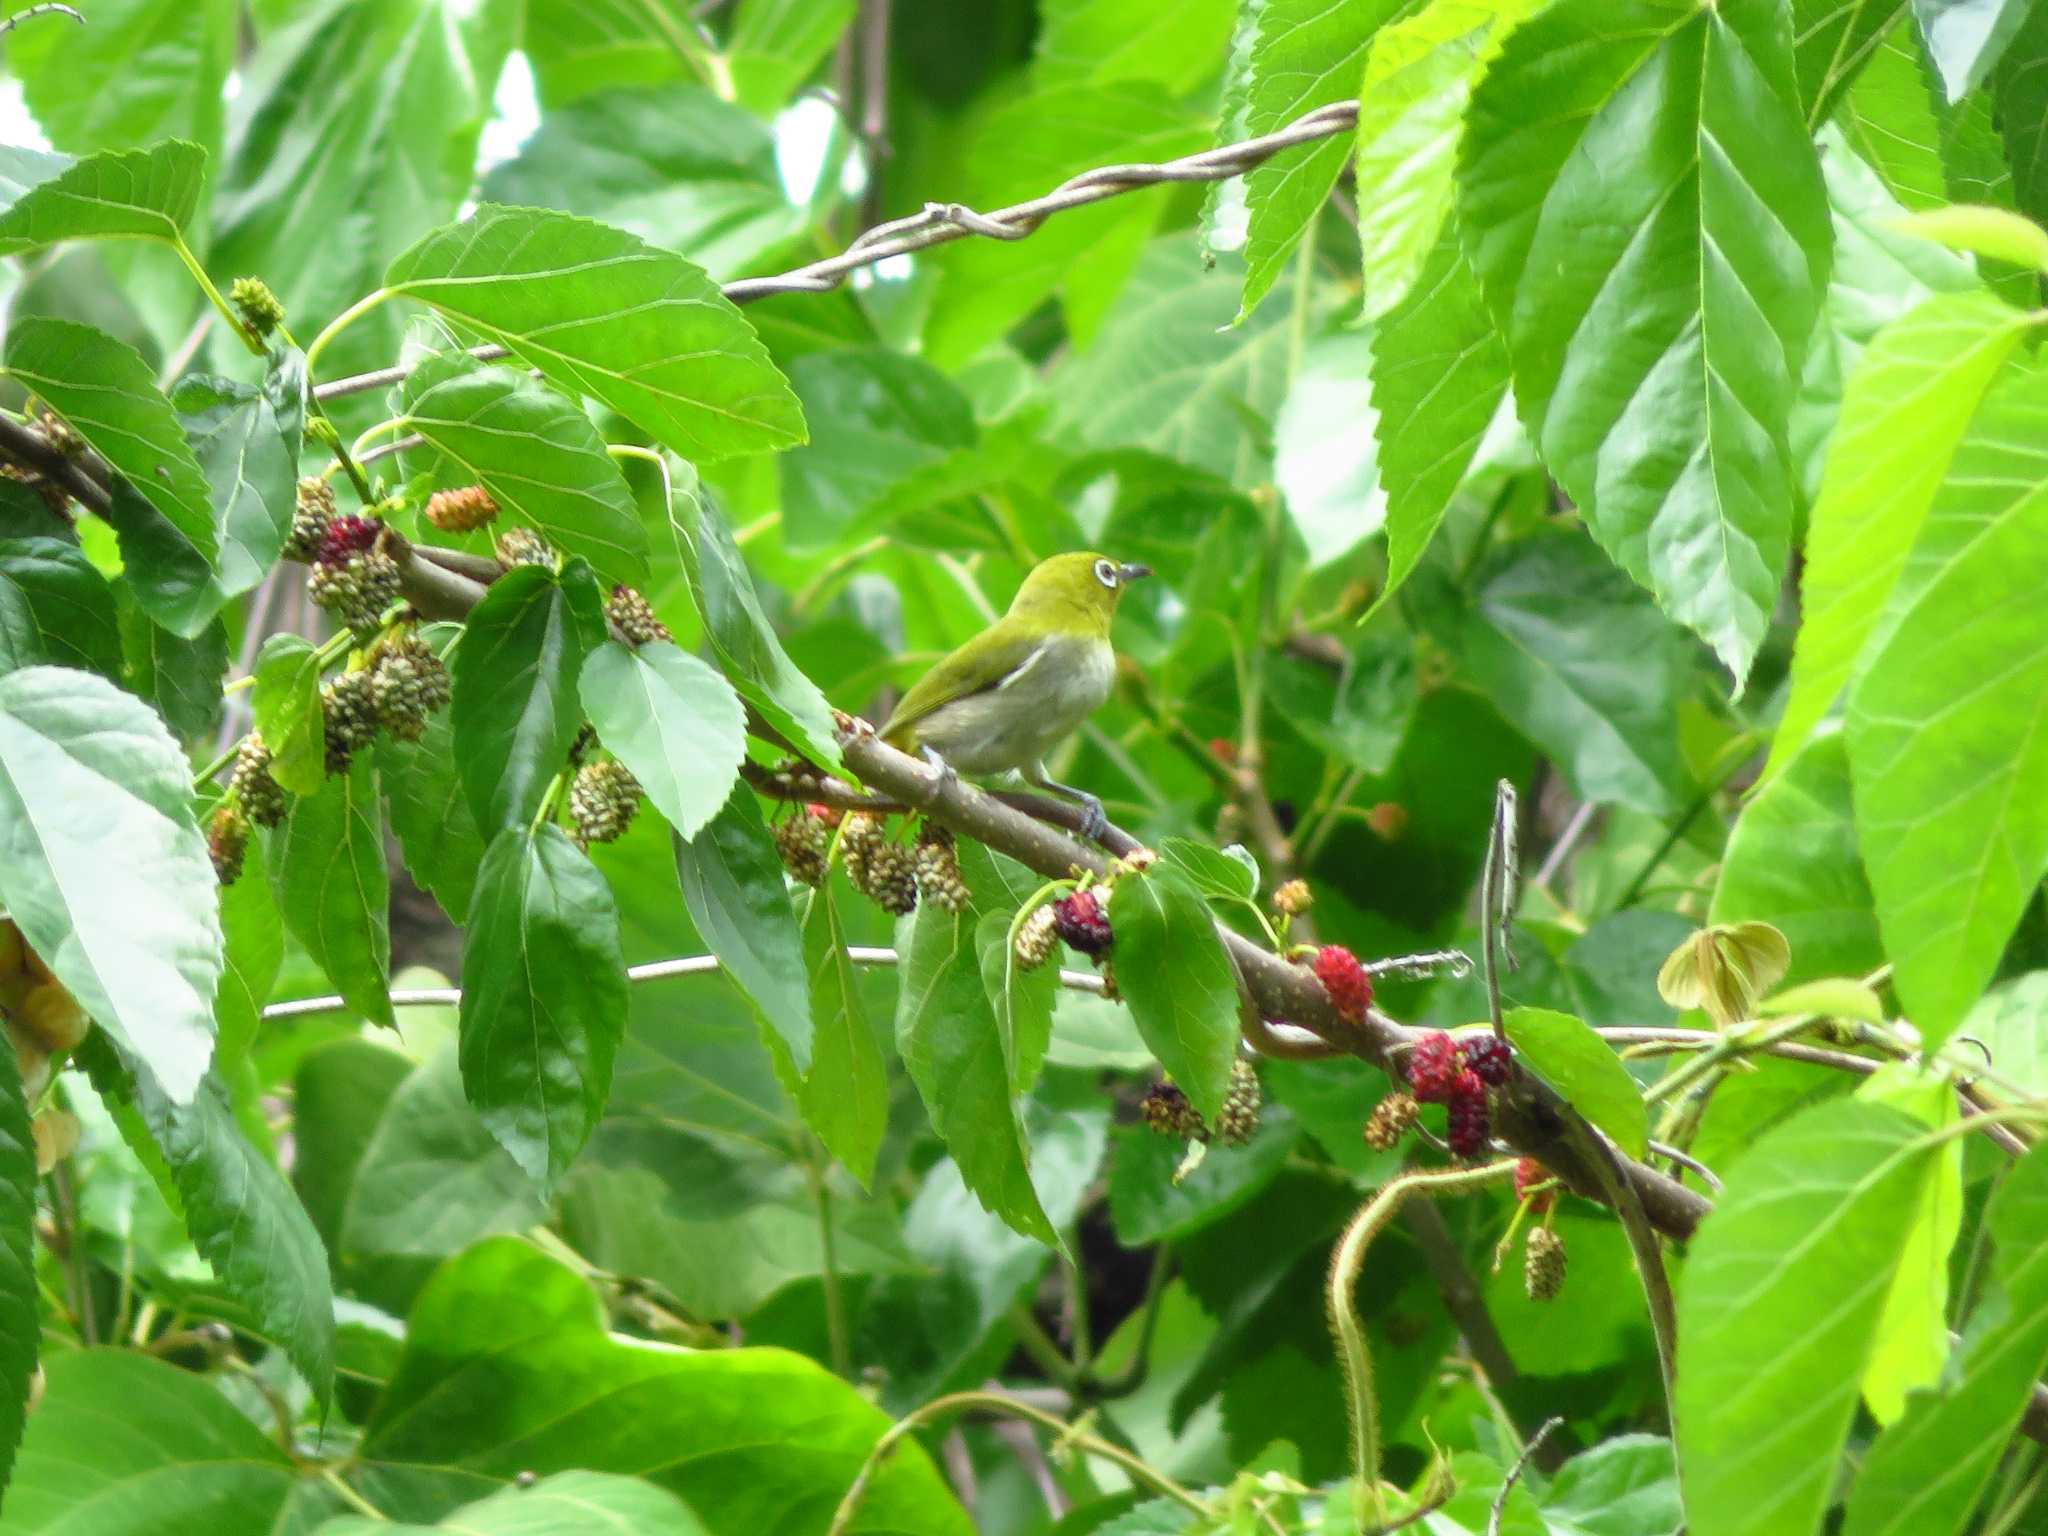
x,y
1094,821
944,774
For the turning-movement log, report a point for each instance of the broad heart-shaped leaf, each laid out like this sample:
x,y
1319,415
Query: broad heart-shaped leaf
x,y
55,608
2020,103
1904,411
516,711
1947,745
430,813
1925,1473
508,1367
20,1326
1304,54
253,932
1626,1485
605,314
171,58
1565,1053
1792,861
567,1504
1778,1307
543,997
334,889
947,1035
286,706
537,454
739,901
146,1447
1439,374
673,721
1022,1000
104,868
1656,258
243,1218
250,459
1220,874
1832,40
775,45
845,1096
181,677
1418,77
749,652
1177,981
1966,37
1581,662
108,394
139,194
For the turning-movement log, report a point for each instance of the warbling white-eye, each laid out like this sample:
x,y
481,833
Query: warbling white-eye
x,y
1027,682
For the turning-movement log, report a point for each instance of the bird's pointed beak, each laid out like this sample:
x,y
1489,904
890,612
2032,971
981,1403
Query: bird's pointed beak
x,y
1130,573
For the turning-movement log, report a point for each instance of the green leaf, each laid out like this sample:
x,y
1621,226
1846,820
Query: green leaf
x,y
604,314
334,890
148,1447
108,395
1656,258
1778,1306
673,721
1083,42
1220,874
516,711
1304,54
536,453
429,812
247,1224
1548,618
878,417
1022,1000
286,705
1581,1066
1792,861
845,1096
1624,1486
254,944
739,901
171,58
2020,99
776,44
1890,119
543,997
714,1426
1439,373
947,1035
20,1323
251,463
1904,413
1418,78
181,677
141,194
55,608
1833,39
1326,450
1982,231
1966,37
1177,981
1946,749
567,1504
749,653
103,867
1926,1472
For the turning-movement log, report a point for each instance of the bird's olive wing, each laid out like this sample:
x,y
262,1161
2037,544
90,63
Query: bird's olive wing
x,y
979,665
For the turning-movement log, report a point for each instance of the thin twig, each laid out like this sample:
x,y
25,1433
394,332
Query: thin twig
x,y
10,23
1507,1486
1497,900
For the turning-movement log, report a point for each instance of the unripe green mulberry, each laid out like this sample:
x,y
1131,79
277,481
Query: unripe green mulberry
x,y
354,576
892,879
635,617
461,511
408,684
260,796
60,434
227,842
1036,939
522,546
257,305
1543,1264
603,799
805,845
858,838
312,515
348,711
1238,1121
937,868
1390,1120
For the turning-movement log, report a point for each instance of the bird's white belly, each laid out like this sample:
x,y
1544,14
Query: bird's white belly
x,y
1038,706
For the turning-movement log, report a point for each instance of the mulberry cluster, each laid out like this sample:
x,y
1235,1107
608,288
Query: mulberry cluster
x,y
1238,1121
1543,1264
348,711
1492,1058
461,511
1035,940
936,865
354,576
1390,1120
1440,1071
881,870
313,514
603,799
1167,1110
522,546
1470,1124
805,844
1080,920
257,305
408,684
1345,980
251,787
634,616
227,842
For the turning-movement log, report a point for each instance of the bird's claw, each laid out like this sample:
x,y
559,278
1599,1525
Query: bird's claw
x,y
944,774
1094,820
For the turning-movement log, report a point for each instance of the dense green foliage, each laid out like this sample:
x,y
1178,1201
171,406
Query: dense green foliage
x,y
542,1078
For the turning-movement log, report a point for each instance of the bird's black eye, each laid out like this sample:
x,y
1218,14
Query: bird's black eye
x,y
1106,573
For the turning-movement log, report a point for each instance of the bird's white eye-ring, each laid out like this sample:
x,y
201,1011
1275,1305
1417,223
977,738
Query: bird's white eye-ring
x,y
1107,573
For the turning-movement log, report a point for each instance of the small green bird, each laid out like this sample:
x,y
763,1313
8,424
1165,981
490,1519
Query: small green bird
x,y
1027,682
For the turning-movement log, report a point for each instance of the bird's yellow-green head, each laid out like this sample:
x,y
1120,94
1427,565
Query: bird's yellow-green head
x,y
1073,594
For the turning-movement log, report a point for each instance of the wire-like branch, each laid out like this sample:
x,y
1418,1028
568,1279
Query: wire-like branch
x,y
943,223
48,8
